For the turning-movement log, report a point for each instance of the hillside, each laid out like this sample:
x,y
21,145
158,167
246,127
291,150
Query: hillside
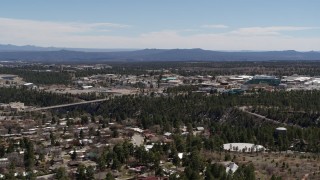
x,y
31,53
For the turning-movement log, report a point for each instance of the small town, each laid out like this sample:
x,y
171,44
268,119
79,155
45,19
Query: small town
x,y
159,90
68,140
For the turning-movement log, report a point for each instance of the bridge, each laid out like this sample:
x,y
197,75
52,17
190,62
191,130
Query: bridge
x,y
67,105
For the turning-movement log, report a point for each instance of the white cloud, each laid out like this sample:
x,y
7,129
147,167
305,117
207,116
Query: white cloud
x,y
107,25
215,26
268,31
22,32
189,30
45,27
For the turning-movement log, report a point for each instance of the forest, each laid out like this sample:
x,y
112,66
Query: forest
x,y
41,98
225,117
219,114
37,74
34,75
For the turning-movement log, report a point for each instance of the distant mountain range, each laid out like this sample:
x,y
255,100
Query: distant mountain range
x,y
28,48
52,54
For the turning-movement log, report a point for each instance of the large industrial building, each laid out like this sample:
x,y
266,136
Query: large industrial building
x,y
263,79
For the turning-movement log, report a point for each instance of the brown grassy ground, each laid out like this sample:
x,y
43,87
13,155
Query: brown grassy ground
x,y
288,166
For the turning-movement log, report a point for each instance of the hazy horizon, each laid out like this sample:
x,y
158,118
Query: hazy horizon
x,y
210,24
135,49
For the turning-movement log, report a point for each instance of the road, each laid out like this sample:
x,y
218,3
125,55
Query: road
x,y
244,109
67,105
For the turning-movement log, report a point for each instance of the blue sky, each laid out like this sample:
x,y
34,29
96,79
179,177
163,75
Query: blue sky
x,y
207,24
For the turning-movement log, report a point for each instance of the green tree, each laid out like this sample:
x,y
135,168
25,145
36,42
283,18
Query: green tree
x,y
74,154
115,133
52,139
115,164
2,151
109,176
61,174
84,120
12,170
90,173
81,135
159,172
101,162
29,157
176,159
81,172
31,175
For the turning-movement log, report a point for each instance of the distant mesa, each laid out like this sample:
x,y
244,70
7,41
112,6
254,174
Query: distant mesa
x,y
53,54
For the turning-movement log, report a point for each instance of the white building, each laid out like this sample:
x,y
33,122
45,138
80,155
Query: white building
x,y
243,147
231,167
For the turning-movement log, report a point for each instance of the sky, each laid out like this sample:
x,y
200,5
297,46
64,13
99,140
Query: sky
x,y
230,25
